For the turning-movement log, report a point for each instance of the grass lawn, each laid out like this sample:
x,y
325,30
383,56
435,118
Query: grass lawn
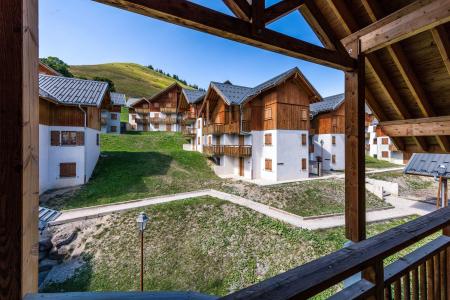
x,y
373,163
204,244
410,185
139,165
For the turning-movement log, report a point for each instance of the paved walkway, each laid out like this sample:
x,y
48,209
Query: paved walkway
x,y
402,208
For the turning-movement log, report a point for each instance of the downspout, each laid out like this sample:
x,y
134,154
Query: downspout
x,y
85,137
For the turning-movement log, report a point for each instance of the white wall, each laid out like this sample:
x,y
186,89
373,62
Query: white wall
x,y
44,144
112,122
199,134
329,149
92,151
290,153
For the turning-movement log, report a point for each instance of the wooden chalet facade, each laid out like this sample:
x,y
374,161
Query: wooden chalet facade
x,y
69,128
395,55
250,132
158,113
189,111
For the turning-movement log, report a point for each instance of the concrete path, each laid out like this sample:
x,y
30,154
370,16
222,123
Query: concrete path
x,y
402,208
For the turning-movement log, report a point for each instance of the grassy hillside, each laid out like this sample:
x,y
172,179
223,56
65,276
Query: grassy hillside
x,y
132,79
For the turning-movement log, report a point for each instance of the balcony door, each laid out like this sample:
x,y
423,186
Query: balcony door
x,y
241,166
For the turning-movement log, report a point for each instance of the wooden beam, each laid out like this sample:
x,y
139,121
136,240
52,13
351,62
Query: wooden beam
x,y
240,8
19,131
417,127
281,9
440,36
189,14
258,23
402,24
355,190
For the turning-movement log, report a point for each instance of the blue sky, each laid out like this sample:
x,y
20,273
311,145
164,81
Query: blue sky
x,y
86,32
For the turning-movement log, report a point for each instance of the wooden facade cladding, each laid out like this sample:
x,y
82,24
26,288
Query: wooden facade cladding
x,y
166,101
52,114
330,122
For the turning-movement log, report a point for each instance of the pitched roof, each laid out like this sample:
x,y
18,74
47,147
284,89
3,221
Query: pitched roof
x,y
118,99
72,91
132,101
175,84
193,96
427,164
328,104
232,94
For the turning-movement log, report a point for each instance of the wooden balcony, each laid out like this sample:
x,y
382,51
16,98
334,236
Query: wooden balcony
x,y
213,150
142,110
230,150
216,129
232,128
169,120
189,132
168,110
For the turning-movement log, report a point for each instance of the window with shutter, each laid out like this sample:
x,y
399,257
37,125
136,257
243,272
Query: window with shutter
x,y
303,139
145,105
209,140
80,138
268,113
333,159
385,141
113,128
333,140
68,138
67,169
113,116
268,164
156,125
384,154
268,139
156,104
304,164
304,114
55,138
375,141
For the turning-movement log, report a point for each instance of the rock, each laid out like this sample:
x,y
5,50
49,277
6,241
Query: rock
x,y
47,265
58,254
64,239
45,244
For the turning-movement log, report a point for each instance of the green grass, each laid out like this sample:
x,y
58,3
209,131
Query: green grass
x,y
131,79
204,244
372,162
139,165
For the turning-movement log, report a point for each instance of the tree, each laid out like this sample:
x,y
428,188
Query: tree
x,y
111,86
58,65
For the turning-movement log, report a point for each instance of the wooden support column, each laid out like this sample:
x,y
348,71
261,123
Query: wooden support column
x,y
19,144
355,202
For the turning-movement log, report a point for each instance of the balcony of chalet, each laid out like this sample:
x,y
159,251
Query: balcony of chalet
x,y
230,150
218,129
189,132
168,110
142,110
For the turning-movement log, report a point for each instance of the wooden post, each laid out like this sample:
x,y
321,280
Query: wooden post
x,y
355,205
142,261
439,194
375,274
19,144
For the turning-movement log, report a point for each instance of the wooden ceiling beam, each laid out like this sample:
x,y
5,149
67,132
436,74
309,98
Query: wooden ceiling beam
x,y
441,38
258,23
281,9
409,76
417,127
240,8
189,14
402,24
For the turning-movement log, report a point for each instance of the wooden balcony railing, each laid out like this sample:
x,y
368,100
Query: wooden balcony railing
x,y
142,110
213,150
168,110
170,120
232,128
214,129
231,150
423,273
155,120
189,132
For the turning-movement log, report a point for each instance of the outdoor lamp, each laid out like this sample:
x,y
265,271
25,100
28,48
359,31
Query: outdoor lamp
x,y
142,220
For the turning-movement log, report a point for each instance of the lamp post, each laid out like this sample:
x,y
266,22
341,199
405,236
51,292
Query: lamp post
x,y
142,220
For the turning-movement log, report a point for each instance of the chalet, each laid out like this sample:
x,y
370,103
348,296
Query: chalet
x,y
384,148
328,126
251,132
110,115
69,128
158,113
188,108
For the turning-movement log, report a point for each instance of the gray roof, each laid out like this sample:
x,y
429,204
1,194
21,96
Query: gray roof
x,y
72,91
193,96
118,99
232,94
133,101
427,164
328,104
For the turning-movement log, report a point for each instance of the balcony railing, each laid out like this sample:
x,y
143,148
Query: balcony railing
x,y
168,110
189,132
155,120
229,128
230,150
142,110
214,129
170,120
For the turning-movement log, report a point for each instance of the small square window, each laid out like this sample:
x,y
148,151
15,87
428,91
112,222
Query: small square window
x,y
268,139
268,113
268,165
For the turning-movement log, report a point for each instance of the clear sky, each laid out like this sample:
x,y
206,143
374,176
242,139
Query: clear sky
x,y
84,32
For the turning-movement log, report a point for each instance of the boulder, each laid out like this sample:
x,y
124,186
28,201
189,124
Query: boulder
x,y
58,254
45,244
64,239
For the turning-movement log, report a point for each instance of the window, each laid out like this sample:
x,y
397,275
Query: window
x,y
98,139
268,139
55,138
304,115
268,113
133,117
156,125
333,140
303,139
304,166
375,141
333,159
198,140
113,116
67,169
384,154
268,164
72,138
199,124
113,128
145,105
385,141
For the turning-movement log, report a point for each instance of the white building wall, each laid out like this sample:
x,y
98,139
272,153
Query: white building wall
x,y
338,149
290,153
44,144
92,151
112,122
199,134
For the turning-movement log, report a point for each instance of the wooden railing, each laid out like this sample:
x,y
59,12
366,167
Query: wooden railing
x,y
214,129
423,273
189,131
232,128
231,150
155,120
213,149
168,110
142,110
170,120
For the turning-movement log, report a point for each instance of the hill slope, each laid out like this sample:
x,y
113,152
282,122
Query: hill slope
x,y
132,79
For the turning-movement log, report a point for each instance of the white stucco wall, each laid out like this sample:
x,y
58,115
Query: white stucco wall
x,y
92,151
290,153
44,144
329,149
112,122
199,134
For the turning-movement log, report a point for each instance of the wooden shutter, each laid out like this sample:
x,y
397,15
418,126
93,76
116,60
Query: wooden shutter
x,y
303,139
113,128
268,113
156,125
384,154
304,115
333,159
67,169
80,138
385,141
268,139
303,163
268,164
55,138
198,140
333,140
